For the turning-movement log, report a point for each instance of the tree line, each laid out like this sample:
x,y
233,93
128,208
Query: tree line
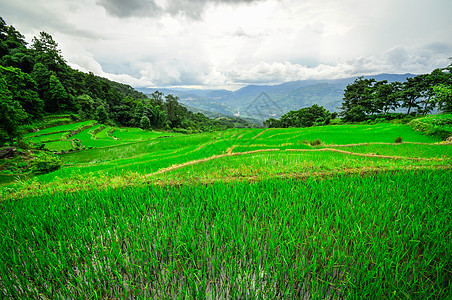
x,y
369,99
35,80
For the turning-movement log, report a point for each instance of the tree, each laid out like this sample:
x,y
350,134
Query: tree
x,y
85,106
42,77
47,52
10,40
443,96
19,60
145,123
175,112
272,123
359,93
11,112
355,114
157,98
58,96
410,93
101,114
441,88
23,90
304,117
3,30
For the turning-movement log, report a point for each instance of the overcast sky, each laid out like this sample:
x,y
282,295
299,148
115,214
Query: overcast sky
x,y
232,43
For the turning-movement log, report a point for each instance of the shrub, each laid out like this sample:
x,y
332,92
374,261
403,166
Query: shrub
x,y
398,140
23,144
316,142
180,130
336,121
429,129
313,143
145,123
45,163
101,114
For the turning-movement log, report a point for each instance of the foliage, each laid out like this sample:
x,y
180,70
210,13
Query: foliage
x,y
11,112
145,123
58,96
398,140
365,98
305,117
101,114
45,162
438,126
316,142
23,90
41,81
444,97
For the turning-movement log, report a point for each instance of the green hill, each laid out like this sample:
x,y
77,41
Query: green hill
x,y
285,97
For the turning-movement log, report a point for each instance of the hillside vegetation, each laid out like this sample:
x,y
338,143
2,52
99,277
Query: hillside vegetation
x,y
133,156
36,81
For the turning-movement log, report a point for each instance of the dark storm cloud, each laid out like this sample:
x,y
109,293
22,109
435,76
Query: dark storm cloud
x,y
149,8
130,8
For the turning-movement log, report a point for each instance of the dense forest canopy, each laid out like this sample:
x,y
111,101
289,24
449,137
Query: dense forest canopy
x,y
36,80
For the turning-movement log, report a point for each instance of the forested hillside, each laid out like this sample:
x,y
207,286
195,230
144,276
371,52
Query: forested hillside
x,y
35,80
370,99
286,96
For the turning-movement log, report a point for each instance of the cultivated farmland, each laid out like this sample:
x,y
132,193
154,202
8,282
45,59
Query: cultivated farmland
x,y
335,211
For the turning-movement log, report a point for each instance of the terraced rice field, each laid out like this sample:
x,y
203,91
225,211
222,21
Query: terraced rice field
x,y
88,134
325,212
380,236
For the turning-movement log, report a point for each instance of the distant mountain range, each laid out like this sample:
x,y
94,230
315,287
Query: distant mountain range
x,y
265,101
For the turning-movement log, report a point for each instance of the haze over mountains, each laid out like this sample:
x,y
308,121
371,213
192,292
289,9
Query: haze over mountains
x,y
270,101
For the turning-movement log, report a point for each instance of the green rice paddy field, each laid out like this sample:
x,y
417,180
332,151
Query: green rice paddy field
x,y
238,214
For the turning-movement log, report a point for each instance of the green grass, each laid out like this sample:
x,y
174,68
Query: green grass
x,y
384,236
439,126
61,128
350,134
194,216
46,137
104,133
405,150
263,165
137,134
59,146
114,158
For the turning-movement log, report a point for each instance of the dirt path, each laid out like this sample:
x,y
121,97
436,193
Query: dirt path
x,y
363,154
229,153
259,134
193,162
392,144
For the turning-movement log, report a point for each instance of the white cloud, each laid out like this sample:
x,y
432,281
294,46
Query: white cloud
x,y
230,43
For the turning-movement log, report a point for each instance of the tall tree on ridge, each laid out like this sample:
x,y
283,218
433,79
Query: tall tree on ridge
x,y
47,52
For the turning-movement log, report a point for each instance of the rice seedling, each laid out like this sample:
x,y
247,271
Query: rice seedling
x,y
385,236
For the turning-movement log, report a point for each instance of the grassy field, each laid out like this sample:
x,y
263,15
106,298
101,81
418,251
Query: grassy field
x,y
90,134
323,212
379,236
